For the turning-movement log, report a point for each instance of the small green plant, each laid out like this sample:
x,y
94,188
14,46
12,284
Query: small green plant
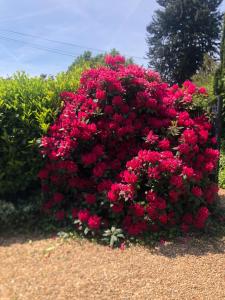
x,y
7,212
82,228
113,236
66,235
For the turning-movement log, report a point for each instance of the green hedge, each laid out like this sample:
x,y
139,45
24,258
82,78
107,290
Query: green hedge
x,y
27,107
222,166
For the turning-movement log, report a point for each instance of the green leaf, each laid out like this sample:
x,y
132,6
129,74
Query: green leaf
x,y
86,230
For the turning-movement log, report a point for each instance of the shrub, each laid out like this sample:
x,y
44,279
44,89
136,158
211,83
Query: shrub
x,y
27,107
125,153
222,167
205,77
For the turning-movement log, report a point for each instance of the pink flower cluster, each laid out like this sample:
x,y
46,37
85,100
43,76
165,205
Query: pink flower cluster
x,y
126,152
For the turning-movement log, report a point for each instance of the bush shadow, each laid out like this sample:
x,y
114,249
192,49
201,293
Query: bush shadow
x,y
190,246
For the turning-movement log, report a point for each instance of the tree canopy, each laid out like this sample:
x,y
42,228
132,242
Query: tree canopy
x,y
181,33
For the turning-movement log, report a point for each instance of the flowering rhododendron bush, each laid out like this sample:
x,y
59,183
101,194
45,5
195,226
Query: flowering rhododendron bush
x,y
126,152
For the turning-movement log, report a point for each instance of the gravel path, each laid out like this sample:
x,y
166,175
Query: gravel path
x,y
52,269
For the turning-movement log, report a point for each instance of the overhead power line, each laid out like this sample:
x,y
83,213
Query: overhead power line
x,y
65,43
53,41
35,46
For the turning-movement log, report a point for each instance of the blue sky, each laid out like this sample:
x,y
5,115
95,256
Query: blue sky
x,y
100,24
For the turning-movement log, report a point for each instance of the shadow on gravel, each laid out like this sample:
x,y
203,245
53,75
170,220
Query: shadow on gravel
x,y
191,246
35,228
40,228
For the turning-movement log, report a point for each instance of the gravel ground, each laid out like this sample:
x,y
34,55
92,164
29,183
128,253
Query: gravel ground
x,y
52,269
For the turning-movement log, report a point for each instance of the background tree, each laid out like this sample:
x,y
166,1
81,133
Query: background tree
x,y
220,72
219,84
219,90
94,60
205,76
181,32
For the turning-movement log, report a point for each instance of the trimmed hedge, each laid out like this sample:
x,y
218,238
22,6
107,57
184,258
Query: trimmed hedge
x,y
222,166
28,105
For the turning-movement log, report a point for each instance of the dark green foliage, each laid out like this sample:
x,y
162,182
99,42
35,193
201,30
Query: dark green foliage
x,y
181,32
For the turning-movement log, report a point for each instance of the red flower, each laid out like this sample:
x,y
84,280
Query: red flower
x,y
151,137
117,208
173,196
154,173
164,144
136,229
58,197
202,90
152,212
163,219
176,181
203,134
201,217
189,172
211,192
160,203
100,94
190,136
122,246
43,174
151,196
112,196
83,215
99,169
117,101
90,198
184,148
138,210
94,222
133,164
108,109
209,167
214,140
197,191
189,86
89,158
129,177
114,60
104,185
